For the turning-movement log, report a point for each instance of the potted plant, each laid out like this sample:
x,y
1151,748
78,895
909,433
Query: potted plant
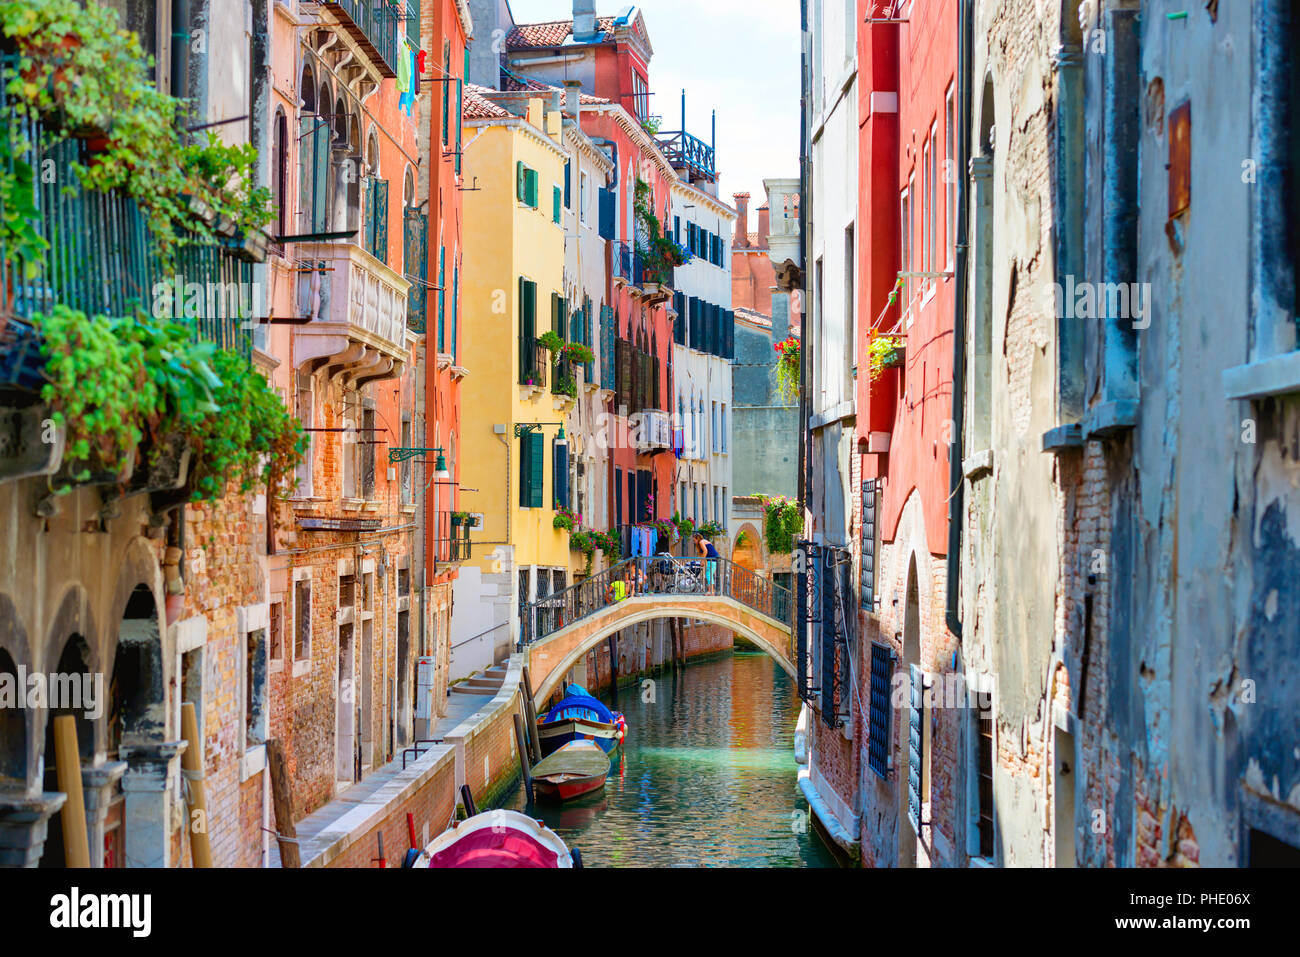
x,y
551,342
566,519
886,352
787,368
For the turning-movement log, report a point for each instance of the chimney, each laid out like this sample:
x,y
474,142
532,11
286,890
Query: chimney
x,y
764,224
573,97
742,220
584,20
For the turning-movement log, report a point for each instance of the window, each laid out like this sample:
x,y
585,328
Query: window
x,y
949,179
366,450
302,618
305,409
713,421
582,198
926,202
348,440
446,91
526,185
568,184
867,526
722,431
850,311
528,371
932,249
254,688
560,474
557,205
986,744
640,96
878,718
442,299
280,173
905,220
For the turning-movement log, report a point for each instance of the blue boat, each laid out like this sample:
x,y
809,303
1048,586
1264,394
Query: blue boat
x,y
581,717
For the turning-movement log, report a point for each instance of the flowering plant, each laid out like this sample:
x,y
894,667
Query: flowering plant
x,y
787,367
567,519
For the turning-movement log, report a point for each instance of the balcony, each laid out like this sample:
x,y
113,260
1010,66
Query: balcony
x,y
688,154
534,363
653,431
632,268
357,311
372,25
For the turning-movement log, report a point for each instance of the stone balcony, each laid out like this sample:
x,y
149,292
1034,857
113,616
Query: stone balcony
x,y
653,430
357,311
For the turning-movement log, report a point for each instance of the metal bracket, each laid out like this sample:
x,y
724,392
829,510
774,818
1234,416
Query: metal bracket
x,y
529,427
405,455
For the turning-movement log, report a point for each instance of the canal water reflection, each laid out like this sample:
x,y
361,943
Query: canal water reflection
x,y
707,777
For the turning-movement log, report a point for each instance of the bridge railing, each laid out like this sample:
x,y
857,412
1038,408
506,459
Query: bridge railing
x,y
659,576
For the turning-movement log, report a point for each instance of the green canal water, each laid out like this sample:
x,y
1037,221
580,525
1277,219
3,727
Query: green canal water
x,y
706,778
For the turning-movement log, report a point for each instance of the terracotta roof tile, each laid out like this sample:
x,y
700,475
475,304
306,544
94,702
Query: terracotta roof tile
x,y
478,106
519,84
551,34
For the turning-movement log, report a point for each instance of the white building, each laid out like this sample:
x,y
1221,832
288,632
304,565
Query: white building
x,y
703,349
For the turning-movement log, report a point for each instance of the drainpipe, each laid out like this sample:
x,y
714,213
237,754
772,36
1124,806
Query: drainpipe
x,y
956,474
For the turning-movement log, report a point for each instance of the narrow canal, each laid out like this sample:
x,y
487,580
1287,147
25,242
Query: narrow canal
x,y
707,777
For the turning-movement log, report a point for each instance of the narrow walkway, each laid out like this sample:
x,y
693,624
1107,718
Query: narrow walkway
x,y
314,830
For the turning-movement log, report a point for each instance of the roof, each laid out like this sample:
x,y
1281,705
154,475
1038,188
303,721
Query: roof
x,y
523,84
551,34
478,106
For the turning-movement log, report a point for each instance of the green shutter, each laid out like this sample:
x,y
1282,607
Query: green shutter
x,y
536,468
557,198
460,116
521,182
446,90
442,299
455,309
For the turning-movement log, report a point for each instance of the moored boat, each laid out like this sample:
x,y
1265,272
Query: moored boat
x,y
581,717
576,769
498,839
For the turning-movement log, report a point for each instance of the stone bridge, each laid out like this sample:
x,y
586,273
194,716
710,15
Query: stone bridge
x,y
562,628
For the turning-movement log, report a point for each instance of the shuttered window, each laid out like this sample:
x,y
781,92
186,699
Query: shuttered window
x,y
442,299
878,719
526,184
455,311
557,200
460,112
527,329
559,310
446,91
532,457
867,582
608,358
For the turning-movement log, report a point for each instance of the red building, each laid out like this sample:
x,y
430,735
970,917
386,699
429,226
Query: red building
x,y
907,109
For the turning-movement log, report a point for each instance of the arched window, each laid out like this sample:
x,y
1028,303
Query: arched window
x,y
280,172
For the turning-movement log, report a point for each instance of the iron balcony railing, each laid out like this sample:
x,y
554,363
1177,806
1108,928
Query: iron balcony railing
x,y
635,268
451,542
660,578
536,364
681,149
101,260
373,24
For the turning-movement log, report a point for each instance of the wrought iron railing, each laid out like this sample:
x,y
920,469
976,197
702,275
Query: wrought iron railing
x,y
537,363
376,22
682,149
101,257
662,579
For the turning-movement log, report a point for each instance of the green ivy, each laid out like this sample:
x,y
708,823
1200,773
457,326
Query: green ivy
x,y
782,521
80,73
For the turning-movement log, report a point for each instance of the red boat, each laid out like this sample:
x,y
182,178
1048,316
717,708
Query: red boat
x,y
578,768
498,839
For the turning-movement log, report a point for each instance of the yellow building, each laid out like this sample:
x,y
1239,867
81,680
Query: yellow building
x,y
511,448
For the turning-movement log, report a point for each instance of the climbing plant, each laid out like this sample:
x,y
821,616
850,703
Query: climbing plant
x,y
661,253
782,521
82,75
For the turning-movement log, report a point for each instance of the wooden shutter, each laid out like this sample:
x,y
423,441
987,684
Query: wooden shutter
x,y
460,113
560,476
442,299
624,374
915,746
867,581
826,626
455,310
608,358
521,182
527,328
530,176
608,214
557,197
878,726
446,91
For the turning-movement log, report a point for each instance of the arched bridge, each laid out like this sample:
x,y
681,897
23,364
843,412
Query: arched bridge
x,y
559,629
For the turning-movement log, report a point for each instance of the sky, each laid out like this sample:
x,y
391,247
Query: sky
x,y
729,57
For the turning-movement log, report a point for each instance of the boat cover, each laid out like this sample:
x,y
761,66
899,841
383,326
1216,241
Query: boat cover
x,y
495,847
579,704
577,758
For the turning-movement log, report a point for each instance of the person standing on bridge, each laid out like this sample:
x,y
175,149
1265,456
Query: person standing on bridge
x,y
710,556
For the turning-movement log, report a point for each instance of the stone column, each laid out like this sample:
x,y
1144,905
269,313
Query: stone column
x,y
97,783
148,783
24,822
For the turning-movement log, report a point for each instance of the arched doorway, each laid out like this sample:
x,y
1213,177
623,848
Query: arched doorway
x,y
75,672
